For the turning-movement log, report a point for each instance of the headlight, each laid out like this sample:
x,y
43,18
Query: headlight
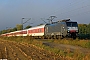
x,y
76,30
68,31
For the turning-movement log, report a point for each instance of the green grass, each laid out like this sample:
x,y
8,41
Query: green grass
x,y
82,43
77,42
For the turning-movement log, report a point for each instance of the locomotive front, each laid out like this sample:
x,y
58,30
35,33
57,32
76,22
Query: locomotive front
x,y
72,29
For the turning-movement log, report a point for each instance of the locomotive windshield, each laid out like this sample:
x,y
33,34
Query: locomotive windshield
x,y
71,24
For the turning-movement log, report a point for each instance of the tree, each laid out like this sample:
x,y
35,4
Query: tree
x,y
0,32
88,28
3,32
27,27
14,29
19,27
82,28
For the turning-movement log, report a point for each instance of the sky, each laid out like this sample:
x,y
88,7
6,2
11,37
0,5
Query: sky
x,y
12,11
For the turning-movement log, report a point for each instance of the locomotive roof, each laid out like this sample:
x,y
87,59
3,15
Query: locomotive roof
x,y
68,20
65,20
71,21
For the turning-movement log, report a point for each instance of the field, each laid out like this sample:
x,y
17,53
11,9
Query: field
x,y
25,48
22,51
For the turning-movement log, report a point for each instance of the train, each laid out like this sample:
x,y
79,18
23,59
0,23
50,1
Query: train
x,y
59,29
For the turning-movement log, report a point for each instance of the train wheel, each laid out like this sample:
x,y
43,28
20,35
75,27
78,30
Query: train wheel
x,y
74,37
61,37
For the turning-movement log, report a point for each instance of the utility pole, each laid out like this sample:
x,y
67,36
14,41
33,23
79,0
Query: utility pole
x,y
24,22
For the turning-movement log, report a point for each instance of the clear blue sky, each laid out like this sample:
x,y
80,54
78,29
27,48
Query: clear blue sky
x,y
12,11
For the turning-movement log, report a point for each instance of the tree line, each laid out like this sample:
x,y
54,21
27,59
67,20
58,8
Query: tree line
x,y
84,31
18,27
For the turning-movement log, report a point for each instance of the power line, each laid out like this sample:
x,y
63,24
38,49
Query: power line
x,y
77,9
66,8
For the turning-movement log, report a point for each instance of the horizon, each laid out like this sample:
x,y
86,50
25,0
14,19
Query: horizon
x,y
12,12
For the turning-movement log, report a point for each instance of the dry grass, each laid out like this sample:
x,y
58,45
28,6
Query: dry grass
x,y
76,55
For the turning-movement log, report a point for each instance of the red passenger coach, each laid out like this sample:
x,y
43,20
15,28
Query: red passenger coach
x,y
20,33
24,32
36,31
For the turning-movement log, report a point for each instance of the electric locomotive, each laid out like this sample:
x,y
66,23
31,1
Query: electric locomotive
x,y
61,29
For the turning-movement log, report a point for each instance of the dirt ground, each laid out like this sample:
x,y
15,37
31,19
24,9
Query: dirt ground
x,y
70,47
21,51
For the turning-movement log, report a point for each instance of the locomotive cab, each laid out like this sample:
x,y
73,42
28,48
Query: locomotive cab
x,y
72,29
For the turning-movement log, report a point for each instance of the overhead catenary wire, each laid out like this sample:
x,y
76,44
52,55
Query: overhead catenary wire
x,y
77,10
66,7
66,11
